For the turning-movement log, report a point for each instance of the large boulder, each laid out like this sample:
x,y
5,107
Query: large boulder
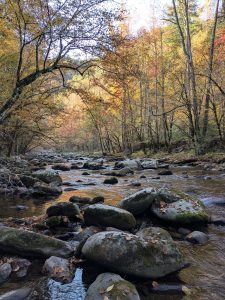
x,y
128,163
46,190
135,255
105,215
61,167
93,165
139,202
150,164
176,206
30,244
48,177
113,287
67,209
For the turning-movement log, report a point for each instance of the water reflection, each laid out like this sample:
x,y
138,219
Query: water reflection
x,y
71,291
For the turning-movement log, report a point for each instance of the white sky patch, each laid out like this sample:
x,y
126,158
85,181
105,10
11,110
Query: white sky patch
x,y
144,12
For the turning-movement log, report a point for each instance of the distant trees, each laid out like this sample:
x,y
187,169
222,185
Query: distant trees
x,y
162,87
46,33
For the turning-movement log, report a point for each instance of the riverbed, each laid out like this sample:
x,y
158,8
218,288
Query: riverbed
x,y
205,276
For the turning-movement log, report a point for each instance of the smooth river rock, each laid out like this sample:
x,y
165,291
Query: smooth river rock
x,y
106,215
30,244
135,255
139,202
112,287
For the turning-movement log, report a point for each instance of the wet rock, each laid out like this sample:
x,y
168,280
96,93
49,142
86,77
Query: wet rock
x,y
176,206
184,231
165,173
105,215
67,209
48,177
20,266
28,181
53,222
143,177
31,244
155,177
5,271
75,166
70,189
219,221
135,184
112,180
21,207
20,294
82,236
80,200
112,287
57,268
151,257
85,174
120,173
61,167
93,165
139,202
97,199
45,190
150,164
197,237
129,163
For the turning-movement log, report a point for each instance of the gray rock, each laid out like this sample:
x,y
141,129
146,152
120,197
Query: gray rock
x,y
165,173
5,271
150,164
28,181
80,200
176,206
105,215
119,288
197,237
93,165
151,257
129,163
48,177
21,265
20,294
43,189
139,202
30,244
57,268
68,209
184,231
61,167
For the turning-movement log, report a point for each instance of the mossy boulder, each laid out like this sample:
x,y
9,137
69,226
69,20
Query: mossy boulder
x,y
30,244
67,209
139,202
106,215
113,287
178,207
134,254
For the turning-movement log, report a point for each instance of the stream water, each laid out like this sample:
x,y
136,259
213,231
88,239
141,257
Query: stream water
x,y
206,274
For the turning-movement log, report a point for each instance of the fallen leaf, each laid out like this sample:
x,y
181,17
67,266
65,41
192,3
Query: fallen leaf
x,y
110,288
186,290
155,284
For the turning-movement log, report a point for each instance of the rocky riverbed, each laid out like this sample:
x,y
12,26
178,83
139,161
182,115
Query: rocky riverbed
x,y
77,227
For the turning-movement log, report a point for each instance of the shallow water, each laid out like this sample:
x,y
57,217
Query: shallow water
x,y
206,274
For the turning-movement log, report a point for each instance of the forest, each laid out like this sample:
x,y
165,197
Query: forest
x,y
101,87
112,139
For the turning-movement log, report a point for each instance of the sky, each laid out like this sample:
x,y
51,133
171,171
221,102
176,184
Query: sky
x,y
141,11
